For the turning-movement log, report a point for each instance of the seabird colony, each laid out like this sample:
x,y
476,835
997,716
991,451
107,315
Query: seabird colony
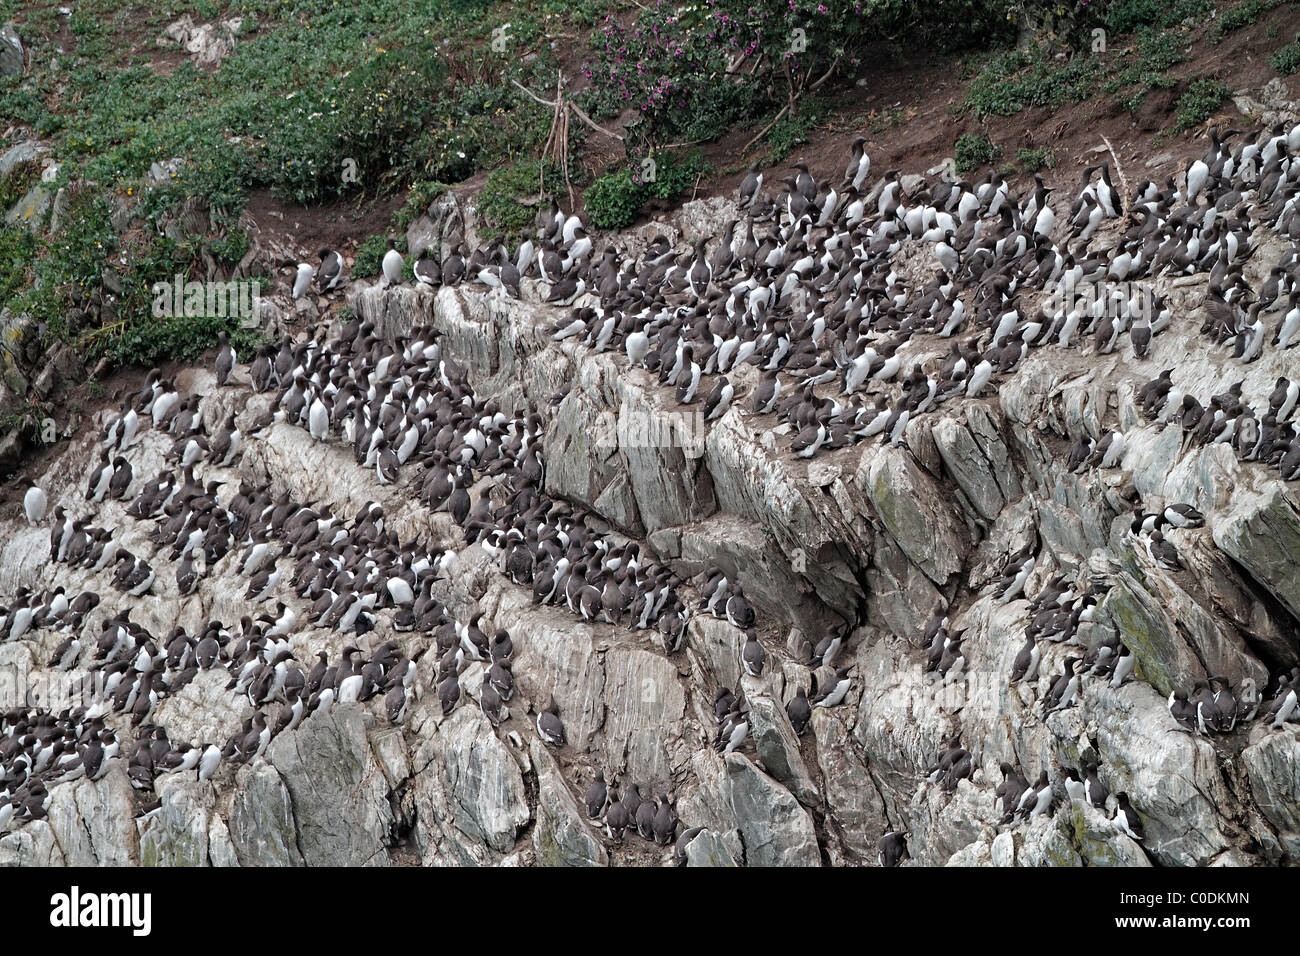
x,y
807,286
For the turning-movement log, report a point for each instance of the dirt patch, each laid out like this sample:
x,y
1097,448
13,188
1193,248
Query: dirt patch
x,y
911,115
338,225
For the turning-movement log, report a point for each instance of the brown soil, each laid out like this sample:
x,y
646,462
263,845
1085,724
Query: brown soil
x,y
340,225
928,97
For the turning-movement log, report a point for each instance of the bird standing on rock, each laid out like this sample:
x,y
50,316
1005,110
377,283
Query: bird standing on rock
x,y
392,264
549,727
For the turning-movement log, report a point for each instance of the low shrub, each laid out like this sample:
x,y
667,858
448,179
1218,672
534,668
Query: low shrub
x,y
1286,60
1198,103
975,151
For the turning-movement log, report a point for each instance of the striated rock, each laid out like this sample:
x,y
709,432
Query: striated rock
x,y
24,151
203,710
1273,769
92,820
261,824
644,707
33,845
1003,849
816,535
1171,777
703,218
1042,843
915,512
857,811
941,824
1097,840
973,854
176,834
976,456
718,646
1261,532
777,748
870,538
561,835
11,51
707,849
1174,639
340,800
758,820
630,457
29,211
208,43
470,798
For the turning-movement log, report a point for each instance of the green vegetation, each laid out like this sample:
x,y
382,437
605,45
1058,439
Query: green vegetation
x,y
17,248
321,101
1017,79
20,179
1127,16
615,199
89,267
1144,41
1032,160
690,72
1242,15
675,174
153,340
790,132
399,88
1147,69
975,151
510,196
418,198
326,101
888,119
1286,59
1199,102
370,255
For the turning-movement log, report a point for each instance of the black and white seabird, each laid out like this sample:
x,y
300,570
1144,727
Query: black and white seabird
x,y
597,796
392,264
1127,820
34,504
892,848
330,272
549,727
799,711
753,656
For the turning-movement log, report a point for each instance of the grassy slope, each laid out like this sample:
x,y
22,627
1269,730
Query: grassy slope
x,y
418,95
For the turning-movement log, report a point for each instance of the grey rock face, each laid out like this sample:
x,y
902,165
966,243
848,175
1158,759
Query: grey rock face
x,y
1273,768
24,151
261,820
866,541
708,849
92,821
561,835
339,796
757,820
469,793
11,51
1261,532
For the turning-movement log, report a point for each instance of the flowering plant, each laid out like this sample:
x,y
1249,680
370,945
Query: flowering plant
x,y
674,66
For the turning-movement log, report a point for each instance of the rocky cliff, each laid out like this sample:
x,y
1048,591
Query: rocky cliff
x,y
883,545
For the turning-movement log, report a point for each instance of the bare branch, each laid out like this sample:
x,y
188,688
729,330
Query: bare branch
x,y
764,131
1123,180
551,103
590,122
